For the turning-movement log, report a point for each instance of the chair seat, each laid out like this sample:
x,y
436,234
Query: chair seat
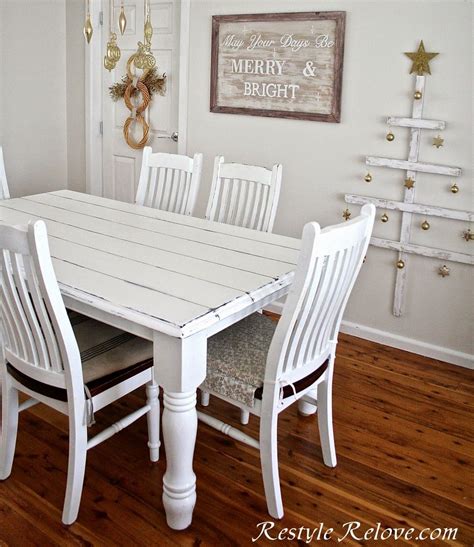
x,y
109,356
236,359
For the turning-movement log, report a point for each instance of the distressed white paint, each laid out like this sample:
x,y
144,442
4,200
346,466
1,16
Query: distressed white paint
x,y
416,123
416,166
104,259
417,208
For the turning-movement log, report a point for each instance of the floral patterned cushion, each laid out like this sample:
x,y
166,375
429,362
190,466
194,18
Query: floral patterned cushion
x,y
236,358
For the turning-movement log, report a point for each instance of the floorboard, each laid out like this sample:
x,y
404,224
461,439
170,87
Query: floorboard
x,y
405,444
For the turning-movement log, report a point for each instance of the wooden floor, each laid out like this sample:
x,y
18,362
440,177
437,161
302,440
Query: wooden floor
x,y
404,438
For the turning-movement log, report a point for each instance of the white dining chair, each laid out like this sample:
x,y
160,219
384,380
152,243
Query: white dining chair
x,y
264,367
76,370
169,182
244,195
4,192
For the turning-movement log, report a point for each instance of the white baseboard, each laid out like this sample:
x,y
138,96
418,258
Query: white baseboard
x,y
447,355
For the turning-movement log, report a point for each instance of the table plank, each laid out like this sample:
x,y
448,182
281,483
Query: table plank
x,y
165,228
235,259
175,218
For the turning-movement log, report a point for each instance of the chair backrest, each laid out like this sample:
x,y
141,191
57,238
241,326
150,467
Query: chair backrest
x,y
37,335
244,195
4,192
169,182
327,269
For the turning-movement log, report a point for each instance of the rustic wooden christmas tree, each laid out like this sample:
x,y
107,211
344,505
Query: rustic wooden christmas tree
x,y
412,166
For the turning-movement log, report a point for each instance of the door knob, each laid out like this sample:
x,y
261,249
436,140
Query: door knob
x,y
173,136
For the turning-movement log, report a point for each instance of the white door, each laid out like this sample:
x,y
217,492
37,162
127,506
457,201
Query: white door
x,y
121,163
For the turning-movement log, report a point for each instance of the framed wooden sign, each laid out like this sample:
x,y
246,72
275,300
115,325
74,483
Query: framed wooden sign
x,y
284,65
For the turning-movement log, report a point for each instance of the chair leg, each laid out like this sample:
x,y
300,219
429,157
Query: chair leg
x,y
9,427
153,419
205,398
269,463
244,416
326,432
307,409
76,466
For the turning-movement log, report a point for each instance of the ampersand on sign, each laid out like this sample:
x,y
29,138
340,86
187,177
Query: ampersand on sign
x,y
309,70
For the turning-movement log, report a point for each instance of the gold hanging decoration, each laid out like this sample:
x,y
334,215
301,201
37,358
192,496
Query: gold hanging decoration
x,y
390,136
438,141
409,183
144,58
112,54
443,270
346,214
384,217
425,225
467,235
122,20
421,60
88,30
368,177
417,95
400,264
454,188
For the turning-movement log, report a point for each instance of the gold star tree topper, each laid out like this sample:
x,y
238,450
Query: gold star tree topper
x,y
421,60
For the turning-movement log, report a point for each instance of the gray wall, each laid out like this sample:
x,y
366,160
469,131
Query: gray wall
x,y
42,94
322,162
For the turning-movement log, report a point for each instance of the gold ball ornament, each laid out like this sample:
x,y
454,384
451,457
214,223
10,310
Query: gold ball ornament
x,y
454,188
400,264
368,177
384,217
425,225
417,95
390,136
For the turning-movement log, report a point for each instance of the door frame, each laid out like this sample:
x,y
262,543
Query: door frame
x,y
93,93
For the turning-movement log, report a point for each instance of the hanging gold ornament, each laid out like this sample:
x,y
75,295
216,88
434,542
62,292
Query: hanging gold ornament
x,y
467,235
400,264
368,177
346,214
417,95
112,52
443,270
409,183
122,20
454,188
390,136
112,55
438,141
384,217
425,225
88,30
144,58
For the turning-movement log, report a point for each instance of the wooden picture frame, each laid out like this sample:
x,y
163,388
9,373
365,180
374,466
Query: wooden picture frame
x,y
280,65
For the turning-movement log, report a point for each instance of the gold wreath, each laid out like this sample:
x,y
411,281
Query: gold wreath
x,y
146,129
145,94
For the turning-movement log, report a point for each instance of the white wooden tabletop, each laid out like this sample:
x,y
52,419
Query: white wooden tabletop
x,y
167,272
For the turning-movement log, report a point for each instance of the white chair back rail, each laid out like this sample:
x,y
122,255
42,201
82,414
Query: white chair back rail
x,y
244,195
328,266
37,334
169,182
4,192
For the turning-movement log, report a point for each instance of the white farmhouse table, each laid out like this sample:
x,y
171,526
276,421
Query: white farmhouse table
x,y
169,278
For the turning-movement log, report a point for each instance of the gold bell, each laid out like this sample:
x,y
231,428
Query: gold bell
x,y
417,95
400,264
425,225
384,217
368,177
390,136
454,188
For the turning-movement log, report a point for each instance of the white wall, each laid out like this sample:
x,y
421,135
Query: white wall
x,y
322,162
42,95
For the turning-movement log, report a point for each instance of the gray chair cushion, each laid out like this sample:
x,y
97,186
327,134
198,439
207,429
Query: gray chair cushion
x,y
236,358
105,349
